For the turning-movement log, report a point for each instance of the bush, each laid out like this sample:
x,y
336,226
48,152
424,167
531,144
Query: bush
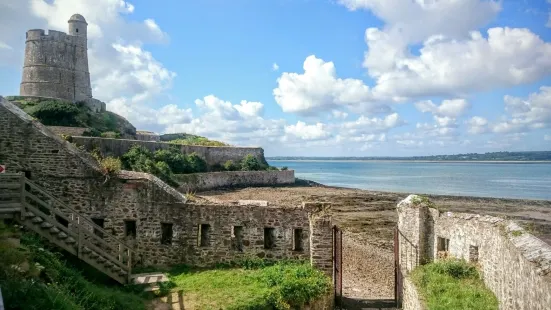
x,y
91,132
111,165
284,168
56,113
250,163
230,166
196,163
111,135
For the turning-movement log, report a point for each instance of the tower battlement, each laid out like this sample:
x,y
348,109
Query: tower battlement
x,y
56,63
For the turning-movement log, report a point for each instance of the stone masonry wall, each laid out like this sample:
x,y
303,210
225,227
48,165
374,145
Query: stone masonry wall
x,y
412,299
515,265
211,180
69,131
56,66
212,154
74,177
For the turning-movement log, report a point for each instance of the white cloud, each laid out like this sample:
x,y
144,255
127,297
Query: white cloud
x,y
142,116
477,125
509,56
372,125
533,112
226,110
307,132
5,46
547,137
448,108
339,114
275,67
319,88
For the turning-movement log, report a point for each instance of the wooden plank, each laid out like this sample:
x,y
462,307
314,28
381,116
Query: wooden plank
x,y
47,206
100,267
50,238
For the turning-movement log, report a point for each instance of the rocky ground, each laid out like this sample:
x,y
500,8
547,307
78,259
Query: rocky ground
x,y
368,219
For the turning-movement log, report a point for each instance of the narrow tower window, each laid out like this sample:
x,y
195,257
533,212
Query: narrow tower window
x,y
77,29
269,238
166,233
297,245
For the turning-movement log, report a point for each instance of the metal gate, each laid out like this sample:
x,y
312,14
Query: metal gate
x,y
398,277
337,265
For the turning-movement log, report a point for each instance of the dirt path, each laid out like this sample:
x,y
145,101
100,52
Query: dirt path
x,y
368,219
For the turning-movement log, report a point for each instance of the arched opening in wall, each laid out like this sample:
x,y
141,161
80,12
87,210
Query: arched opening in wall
x,y
77,29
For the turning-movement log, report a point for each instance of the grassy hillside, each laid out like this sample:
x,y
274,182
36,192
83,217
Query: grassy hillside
x,y
52,112
189,139
35,276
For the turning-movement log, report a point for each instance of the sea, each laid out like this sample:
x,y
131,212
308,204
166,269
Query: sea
x,y
526,180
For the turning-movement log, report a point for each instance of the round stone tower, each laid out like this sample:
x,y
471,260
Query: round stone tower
x,y
56,64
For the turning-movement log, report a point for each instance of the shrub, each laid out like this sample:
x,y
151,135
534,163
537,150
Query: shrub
x,y
111,165
91,132
196,163
111,134
230,166
284,168
56,113
250,163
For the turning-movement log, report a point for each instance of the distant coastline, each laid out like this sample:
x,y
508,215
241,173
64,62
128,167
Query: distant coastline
x,y
417,161
493,157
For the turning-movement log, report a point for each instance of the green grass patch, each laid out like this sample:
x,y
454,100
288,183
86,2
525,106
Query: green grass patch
x,y
453,284
250,285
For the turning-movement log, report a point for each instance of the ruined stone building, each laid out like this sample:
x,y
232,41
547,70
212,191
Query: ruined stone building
x,y
56,64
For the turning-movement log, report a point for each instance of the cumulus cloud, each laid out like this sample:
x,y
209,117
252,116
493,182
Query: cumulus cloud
x,y
307,132
319,89
547,137
477,125
448,108
507,57
275,67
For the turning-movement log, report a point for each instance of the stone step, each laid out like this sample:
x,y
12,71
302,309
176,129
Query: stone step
x,y
37,219
70,240
149,278
29,214
62,235
54,230
46,225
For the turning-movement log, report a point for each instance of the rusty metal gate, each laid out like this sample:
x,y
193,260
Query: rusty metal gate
x,y
398,277
337,265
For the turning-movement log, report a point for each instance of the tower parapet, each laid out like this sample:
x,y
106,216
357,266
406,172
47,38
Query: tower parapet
x,y
56,63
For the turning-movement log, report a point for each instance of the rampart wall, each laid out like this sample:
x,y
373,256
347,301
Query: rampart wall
x,y
514,264
212,154
211,180
138,207
69,131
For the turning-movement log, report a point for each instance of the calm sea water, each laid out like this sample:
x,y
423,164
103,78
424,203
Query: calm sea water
x,y
507,180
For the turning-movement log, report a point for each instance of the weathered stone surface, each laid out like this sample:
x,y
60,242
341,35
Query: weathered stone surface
x,y
211,180
56,64
515,265
69,131
412,299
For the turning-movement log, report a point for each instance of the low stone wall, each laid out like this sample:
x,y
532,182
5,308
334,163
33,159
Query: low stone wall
x,y
213,155
69,131
515,265
211,180
412,300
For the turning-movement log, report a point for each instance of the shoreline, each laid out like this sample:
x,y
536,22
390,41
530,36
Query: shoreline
x,y
420,161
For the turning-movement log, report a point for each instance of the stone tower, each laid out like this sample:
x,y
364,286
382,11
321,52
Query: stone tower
x,y
56,63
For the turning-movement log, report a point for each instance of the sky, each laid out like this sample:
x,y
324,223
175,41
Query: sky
x,y
314,77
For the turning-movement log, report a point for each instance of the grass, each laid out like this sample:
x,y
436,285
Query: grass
x,y
453,284
283,285
197,140
45,280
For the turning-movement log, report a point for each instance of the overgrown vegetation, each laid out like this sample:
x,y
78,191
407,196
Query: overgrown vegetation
x,y
162,163
62,113
188,139
251,284
32,276
452,284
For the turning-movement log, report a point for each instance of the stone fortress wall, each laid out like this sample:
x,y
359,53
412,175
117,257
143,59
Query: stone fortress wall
x,y
153,217
514,264
56,63
212,180
212,154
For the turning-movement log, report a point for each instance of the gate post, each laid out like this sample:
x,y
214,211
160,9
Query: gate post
x,y
398,278
337,265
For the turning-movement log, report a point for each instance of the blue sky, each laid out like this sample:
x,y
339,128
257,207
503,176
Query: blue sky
x,y
314,78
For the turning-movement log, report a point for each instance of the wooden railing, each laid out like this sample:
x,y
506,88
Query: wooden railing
x,y
85,232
